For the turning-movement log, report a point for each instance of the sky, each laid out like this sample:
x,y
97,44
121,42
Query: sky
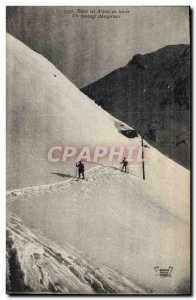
x,y
86,49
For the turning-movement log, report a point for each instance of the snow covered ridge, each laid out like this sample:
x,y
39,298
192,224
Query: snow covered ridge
x,y
90,154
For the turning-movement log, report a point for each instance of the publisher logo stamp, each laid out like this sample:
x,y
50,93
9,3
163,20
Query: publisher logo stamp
x,y
163,272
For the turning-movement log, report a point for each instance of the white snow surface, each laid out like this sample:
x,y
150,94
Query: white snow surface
x,y
48,268
121,221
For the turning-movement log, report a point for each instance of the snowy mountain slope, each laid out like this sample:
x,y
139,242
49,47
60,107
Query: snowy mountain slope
x,y
47,268
44,108
120,220
103,219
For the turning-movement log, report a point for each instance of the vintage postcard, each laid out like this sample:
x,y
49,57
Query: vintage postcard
x,y
98,109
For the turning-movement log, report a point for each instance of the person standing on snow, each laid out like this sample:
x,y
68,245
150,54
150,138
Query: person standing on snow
x,y
80,167
124,164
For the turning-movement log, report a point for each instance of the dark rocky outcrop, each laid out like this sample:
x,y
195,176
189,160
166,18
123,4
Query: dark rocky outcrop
x,y
152,94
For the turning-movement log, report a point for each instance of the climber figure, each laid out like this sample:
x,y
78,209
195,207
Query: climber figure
x,y
80,167
124,164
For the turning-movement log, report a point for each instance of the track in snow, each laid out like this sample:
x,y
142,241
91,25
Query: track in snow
x,y
92,176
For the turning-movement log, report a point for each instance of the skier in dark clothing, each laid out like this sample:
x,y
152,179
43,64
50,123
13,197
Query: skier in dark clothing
x,y
124,164
80,167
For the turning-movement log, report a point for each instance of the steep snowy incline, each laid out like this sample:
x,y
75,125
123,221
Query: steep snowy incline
x,y
44,108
